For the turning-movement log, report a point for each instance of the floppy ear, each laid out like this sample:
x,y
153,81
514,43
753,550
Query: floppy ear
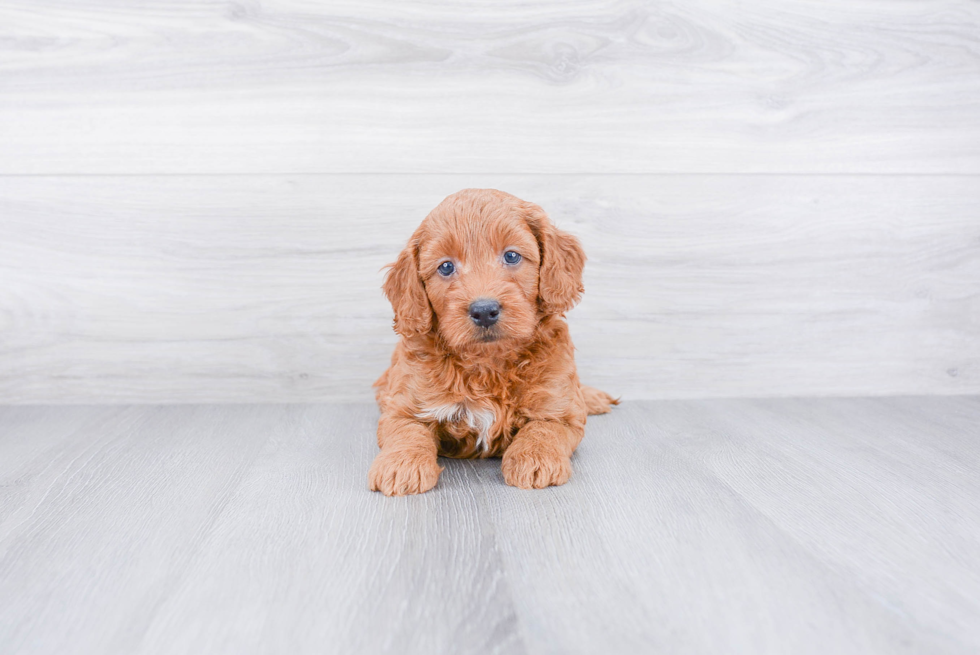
x,y
404,289
562,260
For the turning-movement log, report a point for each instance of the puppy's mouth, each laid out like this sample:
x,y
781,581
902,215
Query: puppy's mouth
x,y
488,335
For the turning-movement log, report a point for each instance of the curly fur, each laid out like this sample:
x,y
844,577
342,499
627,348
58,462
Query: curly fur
x,y
458,390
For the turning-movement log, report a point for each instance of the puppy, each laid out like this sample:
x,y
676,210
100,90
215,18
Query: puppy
x,y
485,365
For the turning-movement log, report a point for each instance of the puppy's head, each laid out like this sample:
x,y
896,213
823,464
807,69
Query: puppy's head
x,y
483,269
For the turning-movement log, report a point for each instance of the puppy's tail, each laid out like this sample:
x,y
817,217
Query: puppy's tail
x,y
598,402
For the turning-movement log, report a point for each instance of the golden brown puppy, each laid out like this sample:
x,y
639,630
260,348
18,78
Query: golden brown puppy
x,y
485,365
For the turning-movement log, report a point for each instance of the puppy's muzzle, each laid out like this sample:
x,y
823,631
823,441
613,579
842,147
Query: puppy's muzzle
x,y
485,313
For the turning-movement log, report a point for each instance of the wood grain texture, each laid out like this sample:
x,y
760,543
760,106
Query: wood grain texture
x,y
254,289
301,86
775,526
122,505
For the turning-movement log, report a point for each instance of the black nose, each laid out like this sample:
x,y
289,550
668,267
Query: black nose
x,y
485,312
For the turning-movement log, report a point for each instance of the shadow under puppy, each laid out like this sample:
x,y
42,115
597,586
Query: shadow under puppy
x,y
485,364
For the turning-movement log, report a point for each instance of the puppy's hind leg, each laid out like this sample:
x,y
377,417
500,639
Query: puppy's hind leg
x,y
598,402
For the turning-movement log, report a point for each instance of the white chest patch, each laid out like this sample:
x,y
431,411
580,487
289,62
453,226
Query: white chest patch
x,y
477,418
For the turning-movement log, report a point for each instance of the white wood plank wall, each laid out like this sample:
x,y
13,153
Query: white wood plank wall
x,y
777,198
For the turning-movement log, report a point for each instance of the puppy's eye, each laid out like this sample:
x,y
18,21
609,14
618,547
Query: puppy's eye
x,y
511,257
446,269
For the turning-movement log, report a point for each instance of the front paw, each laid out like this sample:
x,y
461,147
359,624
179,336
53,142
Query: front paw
x,y
531,465
400,473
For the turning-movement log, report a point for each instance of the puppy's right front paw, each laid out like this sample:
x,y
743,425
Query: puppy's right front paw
x,y
399,473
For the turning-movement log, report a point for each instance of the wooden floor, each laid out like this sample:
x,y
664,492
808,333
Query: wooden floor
x,y
755,526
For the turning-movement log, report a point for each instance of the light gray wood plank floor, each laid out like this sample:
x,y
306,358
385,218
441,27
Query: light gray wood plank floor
x,y
779,526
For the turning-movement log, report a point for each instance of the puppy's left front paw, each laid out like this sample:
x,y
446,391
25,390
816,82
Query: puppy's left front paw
x,y
531,465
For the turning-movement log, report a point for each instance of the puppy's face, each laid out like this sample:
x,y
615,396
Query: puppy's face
x,y
479,266
482,269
